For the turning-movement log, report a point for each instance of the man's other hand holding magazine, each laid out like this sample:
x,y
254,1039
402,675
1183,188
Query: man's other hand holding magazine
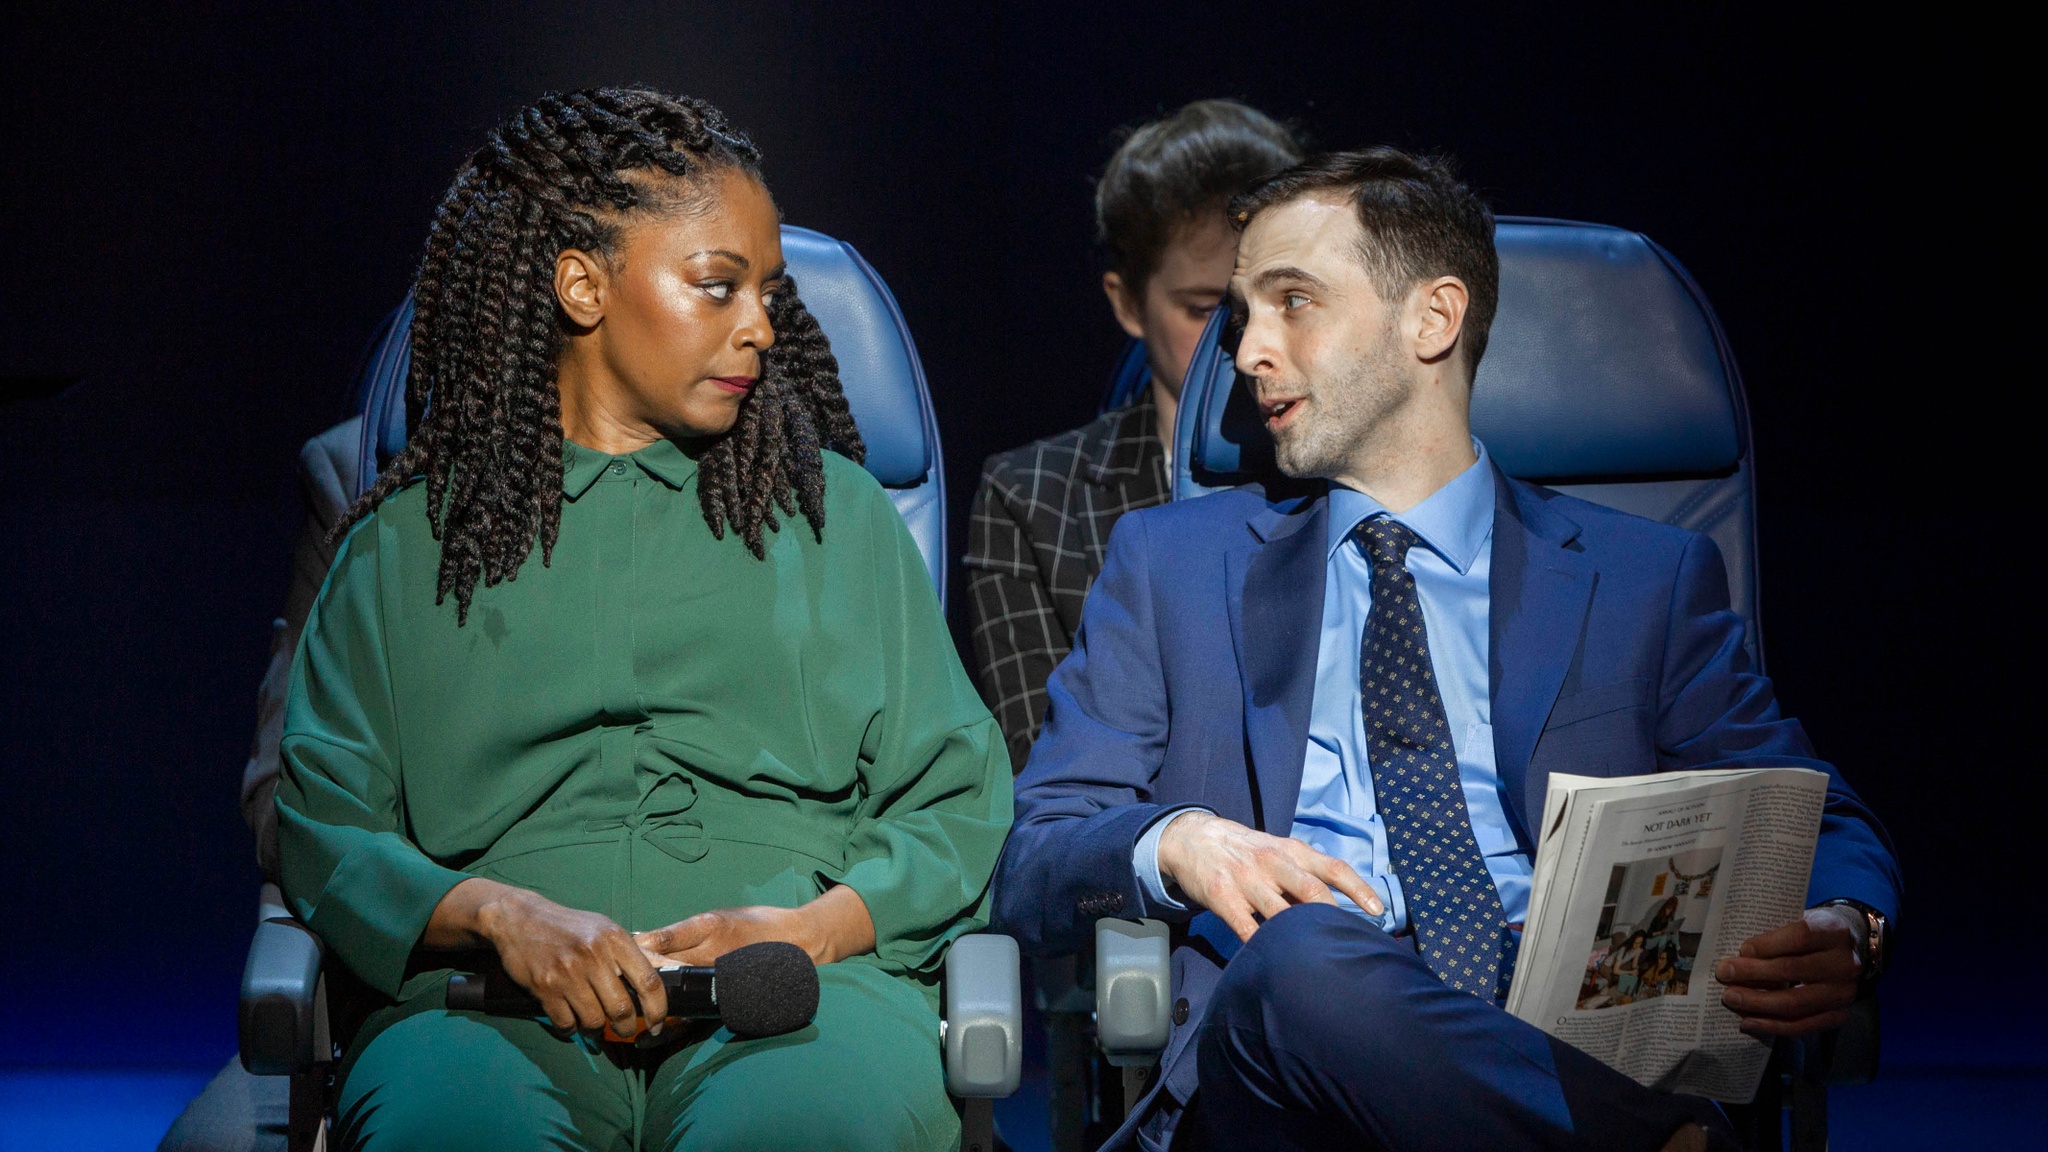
x,y
1795,980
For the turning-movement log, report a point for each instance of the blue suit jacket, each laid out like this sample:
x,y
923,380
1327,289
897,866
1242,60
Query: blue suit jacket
x,y
1613,652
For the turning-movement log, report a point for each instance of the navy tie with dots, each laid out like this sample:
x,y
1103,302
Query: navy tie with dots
x,y
1460,928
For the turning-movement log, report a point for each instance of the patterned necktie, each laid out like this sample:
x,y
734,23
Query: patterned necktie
x,y
1456,910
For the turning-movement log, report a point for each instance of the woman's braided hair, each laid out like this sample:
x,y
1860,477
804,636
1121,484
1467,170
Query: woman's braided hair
x,y
487,334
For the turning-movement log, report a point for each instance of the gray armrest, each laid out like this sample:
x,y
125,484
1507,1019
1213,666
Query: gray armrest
x,y
1133,988
983,1032
283,1018
270,904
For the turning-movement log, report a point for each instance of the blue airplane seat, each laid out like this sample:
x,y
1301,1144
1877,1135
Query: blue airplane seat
x,y
1606,376
1128,379
377,393
878,367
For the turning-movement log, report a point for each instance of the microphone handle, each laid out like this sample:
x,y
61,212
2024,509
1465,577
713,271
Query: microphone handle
x,y
691,994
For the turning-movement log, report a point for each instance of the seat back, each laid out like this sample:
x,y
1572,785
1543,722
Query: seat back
x,y
1132,373
878,367
1606,376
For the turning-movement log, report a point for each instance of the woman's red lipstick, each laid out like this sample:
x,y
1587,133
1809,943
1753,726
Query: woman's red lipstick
x,y
736,384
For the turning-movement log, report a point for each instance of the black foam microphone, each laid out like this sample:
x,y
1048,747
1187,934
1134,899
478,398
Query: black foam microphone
x,y
763,989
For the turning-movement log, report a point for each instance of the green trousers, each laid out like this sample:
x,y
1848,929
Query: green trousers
x,y
865,1075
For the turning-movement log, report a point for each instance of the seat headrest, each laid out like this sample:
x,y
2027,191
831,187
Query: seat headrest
x,y
1129,378
380,392
1604,361
874,349
878,364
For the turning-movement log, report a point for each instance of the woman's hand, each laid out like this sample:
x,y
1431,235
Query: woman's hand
x,y
832,927
584,969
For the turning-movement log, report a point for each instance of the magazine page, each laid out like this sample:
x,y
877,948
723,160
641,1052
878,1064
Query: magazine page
x,y
1569,806
1650,882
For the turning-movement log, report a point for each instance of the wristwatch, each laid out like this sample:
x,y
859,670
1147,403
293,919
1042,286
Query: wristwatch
x,y
1873,937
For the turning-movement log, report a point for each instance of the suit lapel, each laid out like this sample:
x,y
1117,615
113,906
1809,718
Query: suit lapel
x,y
1275,593
1541,585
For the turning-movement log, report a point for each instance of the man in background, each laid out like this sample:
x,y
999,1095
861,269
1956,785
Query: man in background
x,y
1043,513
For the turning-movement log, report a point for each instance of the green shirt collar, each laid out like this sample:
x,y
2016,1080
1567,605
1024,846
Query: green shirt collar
x,y
663,460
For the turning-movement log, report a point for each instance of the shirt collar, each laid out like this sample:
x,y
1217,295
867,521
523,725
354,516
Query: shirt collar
x,y
664,460
1454,521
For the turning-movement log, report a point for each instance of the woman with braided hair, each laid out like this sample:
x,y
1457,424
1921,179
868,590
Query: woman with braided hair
x,y
626,662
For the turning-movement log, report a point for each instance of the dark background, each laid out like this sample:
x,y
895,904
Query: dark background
x,y
205,212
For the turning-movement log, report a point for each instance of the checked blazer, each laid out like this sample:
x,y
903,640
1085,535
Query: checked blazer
x,y
1040,532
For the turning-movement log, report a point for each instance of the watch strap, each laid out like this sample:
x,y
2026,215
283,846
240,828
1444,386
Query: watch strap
x,y
1874,938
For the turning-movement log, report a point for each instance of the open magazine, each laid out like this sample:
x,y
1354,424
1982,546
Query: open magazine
x,y
1643,884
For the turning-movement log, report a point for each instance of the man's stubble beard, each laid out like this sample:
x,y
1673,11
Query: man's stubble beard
x,y
1346,411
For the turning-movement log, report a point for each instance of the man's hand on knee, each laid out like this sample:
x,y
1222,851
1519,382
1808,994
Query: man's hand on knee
x,y
1245,876
1794,980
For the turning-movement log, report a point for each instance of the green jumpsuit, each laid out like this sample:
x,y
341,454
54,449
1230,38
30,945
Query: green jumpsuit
x,y
652,725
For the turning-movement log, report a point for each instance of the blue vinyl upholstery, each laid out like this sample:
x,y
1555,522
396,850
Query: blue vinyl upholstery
x,y
1606,376
1132,373
878,367
379,394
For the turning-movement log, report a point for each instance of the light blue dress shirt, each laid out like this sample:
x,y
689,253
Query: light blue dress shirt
x,y
1336,813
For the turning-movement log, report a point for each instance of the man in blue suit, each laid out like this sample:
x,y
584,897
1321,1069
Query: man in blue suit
x,y
1313,730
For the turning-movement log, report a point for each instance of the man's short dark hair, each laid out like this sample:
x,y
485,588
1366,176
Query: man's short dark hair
x,y
1172,170
1420,222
